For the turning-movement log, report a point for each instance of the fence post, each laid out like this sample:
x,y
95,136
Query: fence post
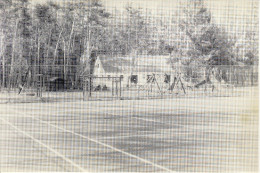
x,y
252,77
89,86
116,87
120,87
84,87
39,85
112,87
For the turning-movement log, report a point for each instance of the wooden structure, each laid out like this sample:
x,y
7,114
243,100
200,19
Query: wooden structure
x,y
90,86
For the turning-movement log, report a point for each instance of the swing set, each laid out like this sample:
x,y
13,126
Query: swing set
x,y
155,84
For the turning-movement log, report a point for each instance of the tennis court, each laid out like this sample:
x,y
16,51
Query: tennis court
x,y
164,135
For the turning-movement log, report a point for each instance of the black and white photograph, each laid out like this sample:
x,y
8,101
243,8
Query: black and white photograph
x,y
129,86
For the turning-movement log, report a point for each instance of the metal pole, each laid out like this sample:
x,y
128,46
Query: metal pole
x,y
89,84
116,87
112,87
120,87
41,86
84,87
3,71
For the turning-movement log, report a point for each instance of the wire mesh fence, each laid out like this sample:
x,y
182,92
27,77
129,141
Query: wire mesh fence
x,y
25,85
129,86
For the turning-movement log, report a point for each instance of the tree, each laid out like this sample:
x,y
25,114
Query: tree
x,y
94,32
16,26
208,44
136,32
4,9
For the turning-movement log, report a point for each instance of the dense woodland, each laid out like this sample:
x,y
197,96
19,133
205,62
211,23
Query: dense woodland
x,y
56,39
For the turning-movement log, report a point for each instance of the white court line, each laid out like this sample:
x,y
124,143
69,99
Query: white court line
x,y
144,135
179,125
101,143
152,106
116,114
145,119
193,109
187,127
46,146
149,120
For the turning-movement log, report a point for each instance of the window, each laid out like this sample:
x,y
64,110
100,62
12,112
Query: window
x,y
134,79
108,76
150,78
122,77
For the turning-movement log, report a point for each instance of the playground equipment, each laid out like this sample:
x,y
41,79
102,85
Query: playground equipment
x,y
98,86
176,81
149,86
161,84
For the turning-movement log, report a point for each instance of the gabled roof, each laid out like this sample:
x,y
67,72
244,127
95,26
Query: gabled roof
x,y
156,64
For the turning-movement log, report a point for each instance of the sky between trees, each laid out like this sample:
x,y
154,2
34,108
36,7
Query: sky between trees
x,y
223,11
57,38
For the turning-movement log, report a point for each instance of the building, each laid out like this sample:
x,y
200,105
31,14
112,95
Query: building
x,y
134,71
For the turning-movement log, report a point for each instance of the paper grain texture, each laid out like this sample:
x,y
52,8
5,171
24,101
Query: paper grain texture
x,y
129,86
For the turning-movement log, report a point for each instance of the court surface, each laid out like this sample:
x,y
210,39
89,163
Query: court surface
x,y
164,135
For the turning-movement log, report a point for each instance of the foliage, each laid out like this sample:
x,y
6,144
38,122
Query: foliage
x,y
207,44
64,40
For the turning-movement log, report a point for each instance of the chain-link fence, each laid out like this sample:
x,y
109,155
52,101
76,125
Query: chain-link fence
x,y
27,84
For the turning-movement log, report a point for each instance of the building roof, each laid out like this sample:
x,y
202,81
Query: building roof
x,y
156,64
114,65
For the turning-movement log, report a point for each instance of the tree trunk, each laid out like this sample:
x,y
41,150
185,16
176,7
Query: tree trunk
x,y
69,46
4,71
56,47
48,45
38,56
64,60
55,53
13,54
3,60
